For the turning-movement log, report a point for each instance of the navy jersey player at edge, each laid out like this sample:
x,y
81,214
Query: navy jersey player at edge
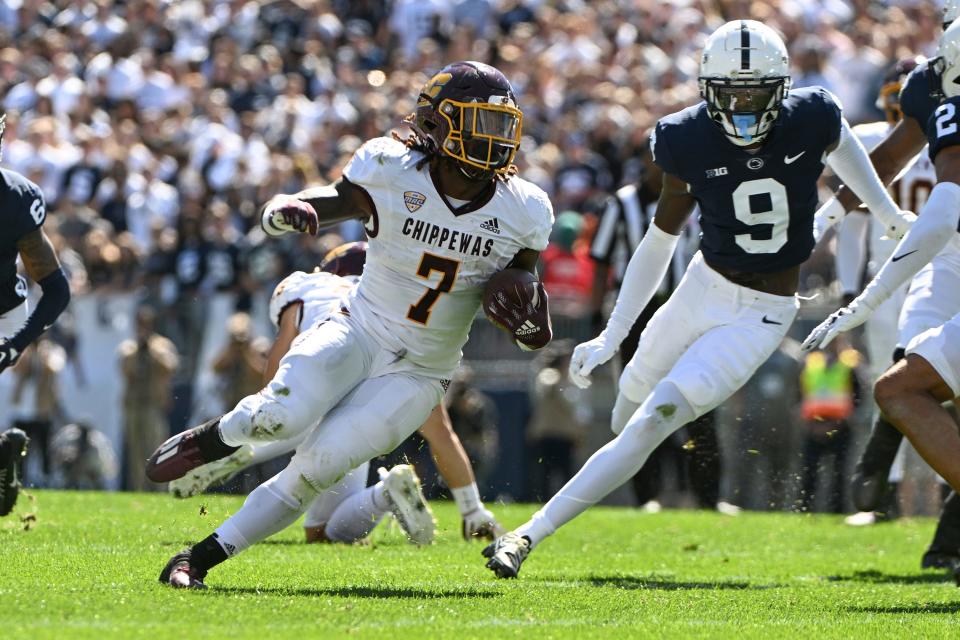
x,y
22,212
749,156
910,393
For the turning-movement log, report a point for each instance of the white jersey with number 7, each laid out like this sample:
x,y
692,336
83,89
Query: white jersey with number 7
x,y
429,258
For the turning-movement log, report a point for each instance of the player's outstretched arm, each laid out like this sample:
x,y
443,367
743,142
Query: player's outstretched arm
x,y
888,158
643,276
316,207
455,469
42,266
937,223
850,161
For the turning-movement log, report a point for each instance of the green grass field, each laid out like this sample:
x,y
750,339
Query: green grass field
x,y
88,565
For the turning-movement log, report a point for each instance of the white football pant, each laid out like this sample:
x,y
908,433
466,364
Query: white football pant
x,y
698,349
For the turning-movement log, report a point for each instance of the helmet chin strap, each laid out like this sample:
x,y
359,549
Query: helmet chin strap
x,y
474,174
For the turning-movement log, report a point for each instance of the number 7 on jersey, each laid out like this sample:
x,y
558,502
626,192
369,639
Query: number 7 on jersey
x,y
420,312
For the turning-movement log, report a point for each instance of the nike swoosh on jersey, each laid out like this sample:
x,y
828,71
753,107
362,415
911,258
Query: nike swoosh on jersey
x,y
789,160
895,258
766,320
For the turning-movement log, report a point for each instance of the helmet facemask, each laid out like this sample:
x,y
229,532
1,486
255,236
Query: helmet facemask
x,y
481,136
889,101
745,109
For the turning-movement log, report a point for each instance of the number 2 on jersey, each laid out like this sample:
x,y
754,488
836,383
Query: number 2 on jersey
x,y
420,312
945,113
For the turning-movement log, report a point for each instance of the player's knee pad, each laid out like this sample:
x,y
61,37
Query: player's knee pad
x,y
664,411
322,464
292,488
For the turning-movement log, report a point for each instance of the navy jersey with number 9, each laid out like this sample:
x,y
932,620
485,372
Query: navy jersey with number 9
x,y
757,206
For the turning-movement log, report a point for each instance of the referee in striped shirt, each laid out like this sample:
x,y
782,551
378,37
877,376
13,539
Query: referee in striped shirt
x,y
626,217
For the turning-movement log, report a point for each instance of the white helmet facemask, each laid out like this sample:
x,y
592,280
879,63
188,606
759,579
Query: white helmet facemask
x,y
744,78
947,63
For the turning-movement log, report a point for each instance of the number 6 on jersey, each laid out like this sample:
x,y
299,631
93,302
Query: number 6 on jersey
x,y
420,312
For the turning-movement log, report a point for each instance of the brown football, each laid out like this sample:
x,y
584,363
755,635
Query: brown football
x,y
515,301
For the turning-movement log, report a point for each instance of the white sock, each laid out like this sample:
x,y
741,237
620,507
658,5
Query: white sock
x,y
270,508
356,516
664,411
467,498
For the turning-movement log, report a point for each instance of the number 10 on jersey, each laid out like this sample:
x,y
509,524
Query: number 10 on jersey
x,y
429,262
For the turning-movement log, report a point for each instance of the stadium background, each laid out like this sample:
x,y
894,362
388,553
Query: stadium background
x,y
156,129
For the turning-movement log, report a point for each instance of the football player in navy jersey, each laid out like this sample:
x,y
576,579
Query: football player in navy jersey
x,y
910,393
22,210
919,98
749,155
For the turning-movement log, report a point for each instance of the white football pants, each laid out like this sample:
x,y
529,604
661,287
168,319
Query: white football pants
x,y
697,350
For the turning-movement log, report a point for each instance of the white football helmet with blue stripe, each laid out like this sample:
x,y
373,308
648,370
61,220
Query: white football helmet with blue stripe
x,y
744,78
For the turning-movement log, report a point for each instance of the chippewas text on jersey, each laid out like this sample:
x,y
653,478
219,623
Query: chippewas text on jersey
x,y
436,236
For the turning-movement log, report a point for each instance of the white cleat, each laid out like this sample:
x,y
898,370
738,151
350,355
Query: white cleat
x,y
506,554
728,508
401,486
203,477
861,519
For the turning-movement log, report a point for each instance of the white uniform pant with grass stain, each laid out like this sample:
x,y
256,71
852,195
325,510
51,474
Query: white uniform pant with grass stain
x,y
371,420
370,399
698,349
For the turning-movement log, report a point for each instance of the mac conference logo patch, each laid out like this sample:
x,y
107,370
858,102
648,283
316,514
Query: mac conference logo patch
x,y
414,200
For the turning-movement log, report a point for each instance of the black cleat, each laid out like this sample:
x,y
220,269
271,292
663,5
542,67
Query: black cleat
x,y
506,554
936,559
944,549
13,447
186,451
869,486
180,575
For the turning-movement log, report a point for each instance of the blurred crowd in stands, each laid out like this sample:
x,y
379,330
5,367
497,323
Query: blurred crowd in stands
x,y
156,129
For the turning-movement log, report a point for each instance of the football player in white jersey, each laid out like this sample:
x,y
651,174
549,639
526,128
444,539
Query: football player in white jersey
x,y
750,154
349,510
444,211
863,247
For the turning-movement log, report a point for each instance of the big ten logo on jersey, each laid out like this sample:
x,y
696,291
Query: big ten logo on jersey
x,y
413,200
38,211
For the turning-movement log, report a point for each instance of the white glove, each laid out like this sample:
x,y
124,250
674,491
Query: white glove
x,y
590,355
845,319
897,225
481,523
826,216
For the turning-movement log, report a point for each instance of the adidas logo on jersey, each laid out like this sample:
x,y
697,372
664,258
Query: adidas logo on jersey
x,y
491,225
413,200
526,329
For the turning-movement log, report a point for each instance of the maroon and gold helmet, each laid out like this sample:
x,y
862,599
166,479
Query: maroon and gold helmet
x,y
889,98
346,260
468,111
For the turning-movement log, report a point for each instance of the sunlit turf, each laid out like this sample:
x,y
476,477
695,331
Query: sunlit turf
x,y
88,565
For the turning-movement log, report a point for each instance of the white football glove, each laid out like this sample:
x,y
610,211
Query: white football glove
x,y
481,523
588,356
897,225
845,319
826,216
